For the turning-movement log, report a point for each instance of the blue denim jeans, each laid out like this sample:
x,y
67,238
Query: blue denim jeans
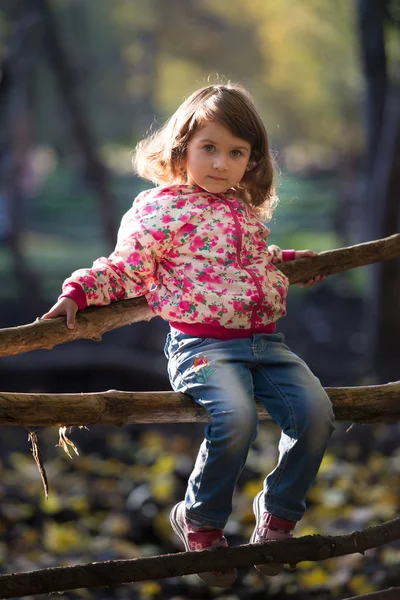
x,y
224,377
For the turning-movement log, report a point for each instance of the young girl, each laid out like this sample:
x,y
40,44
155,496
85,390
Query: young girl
x,y
196,247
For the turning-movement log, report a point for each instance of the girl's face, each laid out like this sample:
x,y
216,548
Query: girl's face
x,y
216,160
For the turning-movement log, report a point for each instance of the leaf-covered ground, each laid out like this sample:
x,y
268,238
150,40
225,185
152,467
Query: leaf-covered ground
x,y
113,502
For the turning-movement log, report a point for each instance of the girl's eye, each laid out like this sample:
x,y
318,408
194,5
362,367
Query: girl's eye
x,y
209,148
236,153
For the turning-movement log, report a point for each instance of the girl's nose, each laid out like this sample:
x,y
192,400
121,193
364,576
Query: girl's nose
x,y
220,163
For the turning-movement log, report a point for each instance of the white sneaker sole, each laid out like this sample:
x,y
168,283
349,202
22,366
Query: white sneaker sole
x,y
268,569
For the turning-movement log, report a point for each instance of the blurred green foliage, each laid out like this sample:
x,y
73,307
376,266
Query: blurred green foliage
x,y
134,60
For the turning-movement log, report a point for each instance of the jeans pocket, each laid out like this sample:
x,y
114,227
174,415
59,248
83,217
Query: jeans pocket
x,y
183,351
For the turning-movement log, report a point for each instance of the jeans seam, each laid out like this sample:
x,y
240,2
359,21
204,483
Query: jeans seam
x,y
202,471
294,426
257,350
198,401
203,520
289,514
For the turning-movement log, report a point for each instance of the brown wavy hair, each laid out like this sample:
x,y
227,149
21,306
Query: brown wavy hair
x,y
161,157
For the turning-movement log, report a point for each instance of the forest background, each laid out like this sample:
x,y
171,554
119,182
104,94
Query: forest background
x,y
81,82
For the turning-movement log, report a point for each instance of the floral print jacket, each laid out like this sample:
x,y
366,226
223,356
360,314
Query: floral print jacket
x,y
197,257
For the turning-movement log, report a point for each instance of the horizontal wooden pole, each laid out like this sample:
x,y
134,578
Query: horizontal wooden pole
x,y
93,322
364,404
342,259
117,572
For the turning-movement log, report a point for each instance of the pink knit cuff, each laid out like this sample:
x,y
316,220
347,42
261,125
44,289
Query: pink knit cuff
x,y
288,255
75,292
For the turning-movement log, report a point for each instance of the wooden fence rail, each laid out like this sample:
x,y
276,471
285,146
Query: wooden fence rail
x,y
363,404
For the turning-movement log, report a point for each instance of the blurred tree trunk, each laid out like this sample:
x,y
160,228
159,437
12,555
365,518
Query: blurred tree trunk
x,y
15,121
96,171
373,56
145,70
382,190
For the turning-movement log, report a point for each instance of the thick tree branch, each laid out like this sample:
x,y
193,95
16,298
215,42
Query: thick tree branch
x,y
342,259
364,404
116,572
94,322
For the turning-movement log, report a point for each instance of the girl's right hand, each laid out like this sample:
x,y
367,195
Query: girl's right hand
x,y
65,306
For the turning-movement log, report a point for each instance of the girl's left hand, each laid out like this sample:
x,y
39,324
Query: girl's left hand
x,y
306,254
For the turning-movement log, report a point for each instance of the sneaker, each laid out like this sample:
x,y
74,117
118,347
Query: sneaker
x,y
268,528
198,539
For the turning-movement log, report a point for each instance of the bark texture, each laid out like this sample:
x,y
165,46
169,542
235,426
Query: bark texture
x,y
364,404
